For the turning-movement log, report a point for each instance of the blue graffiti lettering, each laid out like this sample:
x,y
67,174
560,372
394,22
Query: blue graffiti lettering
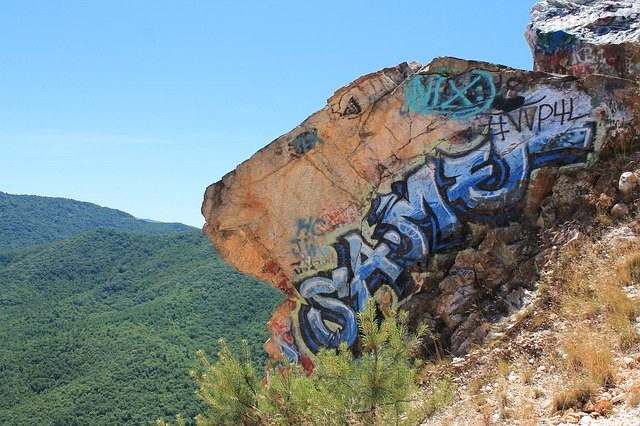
x,y
485,179
413,217
423,214
326,304
569,147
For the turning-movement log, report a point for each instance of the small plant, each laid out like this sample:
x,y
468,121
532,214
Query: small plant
x,y
503,404
538,392
503,367
527,376
441,394
476,385
483,379
576,396
229,388
589,353
602,204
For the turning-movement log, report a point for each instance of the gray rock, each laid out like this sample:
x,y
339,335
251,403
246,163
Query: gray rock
x,y
620,210
586,37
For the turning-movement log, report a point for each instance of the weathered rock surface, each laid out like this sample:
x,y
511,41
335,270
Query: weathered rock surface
x,y
582,37
619,210
415,182
627,184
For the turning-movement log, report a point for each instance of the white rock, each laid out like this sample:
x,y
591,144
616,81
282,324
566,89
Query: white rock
x,y
618,398
586,420
627,184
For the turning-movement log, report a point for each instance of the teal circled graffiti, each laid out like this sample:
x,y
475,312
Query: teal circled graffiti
x,y
457,97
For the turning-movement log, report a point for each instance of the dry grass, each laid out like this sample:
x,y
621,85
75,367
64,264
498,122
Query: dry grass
x,y
589,354
503,404
602,204
622,311
634,395
578,393
523,413
582,322
586,286
628,267
539,320
479,382
589,362
527,376
538,393
503,367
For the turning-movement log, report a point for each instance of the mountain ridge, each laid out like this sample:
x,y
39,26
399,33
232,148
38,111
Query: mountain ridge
x,y
101,326
32,219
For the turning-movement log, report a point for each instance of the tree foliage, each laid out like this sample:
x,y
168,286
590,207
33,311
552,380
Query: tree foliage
x,y
377,387
102,327
27,220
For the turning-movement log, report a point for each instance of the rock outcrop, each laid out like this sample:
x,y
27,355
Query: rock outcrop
x,y
422,187
582,37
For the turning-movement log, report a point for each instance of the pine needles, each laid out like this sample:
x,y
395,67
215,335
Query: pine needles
x,y
377,387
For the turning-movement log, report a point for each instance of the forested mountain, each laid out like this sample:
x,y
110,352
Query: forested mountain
x,y
30,219
102,327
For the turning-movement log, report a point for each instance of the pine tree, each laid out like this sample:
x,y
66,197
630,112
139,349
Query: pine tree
x,y
377,387
229,388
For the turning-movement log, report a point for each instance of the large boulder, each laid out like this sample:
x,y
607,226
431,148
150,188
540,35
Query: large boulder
x,y
423,182
581,37
355,202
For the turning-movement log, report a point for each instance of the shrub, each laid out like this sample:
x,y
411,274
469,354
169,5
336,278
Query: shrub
x,y
377,387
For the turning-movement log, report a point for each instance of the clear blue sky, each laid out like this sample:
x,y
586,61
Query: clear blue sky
x,y
139,105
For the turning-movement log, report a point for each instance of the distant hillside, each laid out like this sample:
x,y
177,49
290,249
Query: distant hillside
x,y
102,328
29,219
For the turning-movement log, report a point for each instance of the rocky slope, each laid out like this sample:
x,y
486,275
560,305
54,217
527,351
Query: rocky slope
x,y
571,354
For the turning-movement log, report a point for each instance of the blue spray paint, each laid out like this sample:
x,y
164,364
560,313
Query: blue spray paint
x,y
424,213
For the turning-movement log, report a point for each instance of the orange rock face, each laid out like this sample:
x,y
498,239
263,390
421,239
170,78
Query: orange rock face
x,y
355,201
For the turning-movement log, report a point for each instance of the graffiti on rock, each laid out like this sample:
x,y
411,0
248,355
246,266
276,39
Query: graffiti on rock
x,y
533,114
565,54
334,218
308,246
304,143
426,211
456,97
305,242
610,24
554,41
352,108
